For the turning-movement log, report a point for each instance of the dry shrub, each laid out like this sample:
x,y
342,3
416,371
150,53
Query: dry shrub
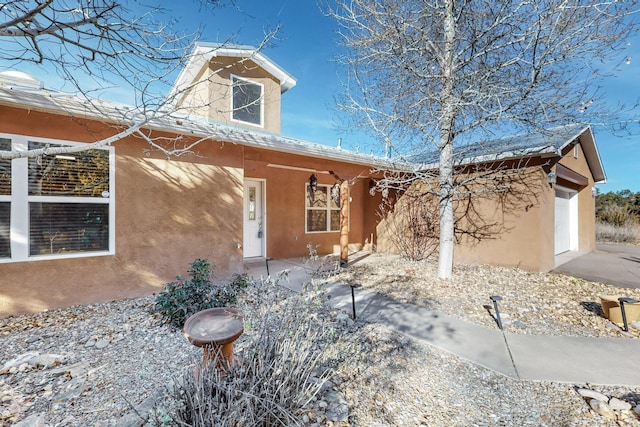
x,y
412,224
279,366
618,216
627,233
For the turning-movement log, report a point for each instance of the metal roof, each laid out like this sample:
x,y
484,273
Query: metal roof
x,y
542,143
549,142
181,124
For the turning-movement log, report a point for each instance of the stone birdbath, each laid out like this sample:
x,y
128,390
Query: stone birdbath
x,y
215,330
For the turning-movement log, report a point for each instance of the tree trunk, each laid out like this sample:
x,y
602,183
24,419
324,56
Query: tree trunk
x,y
445,254
445,146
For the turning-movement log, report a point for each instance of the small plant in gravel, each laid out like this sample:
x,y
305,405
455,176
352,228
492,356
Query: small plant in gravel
x,y
184,297
320,267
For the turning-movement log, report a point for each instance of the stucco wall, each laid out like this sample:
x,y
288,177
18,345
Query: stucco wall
x,y
285,196
212,97
525,218
586,200
517,226
523,233
167,214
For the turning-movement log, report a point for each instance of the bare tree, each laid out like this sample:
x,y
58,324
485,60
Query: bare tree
x,y
96,45
442,75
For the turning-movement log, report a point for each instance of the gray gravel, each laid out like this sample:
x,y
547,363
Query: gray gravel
x,y
96,363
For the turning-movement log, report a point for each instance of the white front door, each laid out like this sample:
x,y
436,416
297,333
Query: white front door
x,y
254,224
566,221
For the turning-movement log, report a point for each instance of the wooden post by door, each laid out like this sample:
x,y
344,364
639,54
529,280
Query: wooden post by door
x,y
344,223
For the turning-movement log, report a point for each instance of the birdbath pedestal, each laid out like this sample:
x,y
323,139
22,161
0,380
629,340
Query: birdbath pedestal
x,y
215,330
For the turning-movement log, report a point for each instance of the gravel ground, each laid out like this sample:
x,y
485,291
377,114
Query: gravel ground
x,y
96,363
534,303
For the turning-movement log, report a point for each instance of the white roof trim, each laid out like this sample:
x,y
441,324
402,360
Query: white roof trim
x,y
587,141
196,126
203,52
591,153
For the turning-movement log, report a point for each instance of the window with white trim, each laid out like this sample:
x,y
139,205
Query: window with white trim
x,y
5,201
246,102
62,203
322,213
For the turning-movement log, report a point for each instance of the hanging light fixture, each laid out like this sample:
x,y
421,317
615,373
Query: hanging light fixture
x,y
313,186
335,194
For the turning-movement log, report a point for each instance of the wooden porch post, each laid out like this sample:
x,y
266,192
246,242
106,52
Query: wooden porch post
x,y
344,223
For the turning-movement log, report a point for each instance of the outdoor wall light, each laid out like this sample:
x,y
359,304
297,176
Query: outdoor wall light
x,y
552,177
594,191
622,301
313,186
372,187
494,299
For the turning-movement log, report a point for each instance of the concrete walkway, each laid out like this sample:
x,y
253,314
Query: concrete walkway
x,y
602,361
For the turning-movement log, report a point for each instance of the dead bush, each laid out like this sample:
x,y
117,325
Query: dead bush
x,y
618,216
279,366
412,224
629,232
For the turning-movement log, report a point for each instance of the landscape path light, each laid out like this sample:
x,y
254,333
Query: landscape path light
x,y
624,301
495,299
353,297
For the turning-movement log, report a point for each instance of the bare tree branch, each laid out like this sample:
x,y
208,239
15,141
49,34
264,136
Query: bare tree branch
x,y
115,47
441,76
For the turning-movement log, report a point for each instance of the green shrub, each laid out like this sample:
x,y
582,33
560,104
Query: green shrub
x,y
182,298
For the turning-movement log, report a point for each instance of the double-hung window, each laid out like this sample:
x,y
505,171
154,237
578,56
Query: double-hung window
x,y
61,205
5,201
247,101
322,213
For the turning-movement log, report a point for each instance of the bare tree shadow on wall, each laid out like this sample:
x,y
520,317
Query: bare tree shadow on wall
x,y
488,197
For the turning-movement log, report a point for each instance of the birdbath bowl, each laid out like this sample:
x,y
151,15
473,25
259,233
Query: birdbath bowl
x,y
215,330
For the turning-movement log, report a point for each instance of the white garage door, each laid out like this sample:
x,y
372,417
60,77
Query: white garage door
x,y
566,222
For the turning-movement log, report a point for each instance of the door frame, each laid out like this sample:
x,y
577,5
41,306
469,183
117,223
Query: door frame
x,y
263,207
573,216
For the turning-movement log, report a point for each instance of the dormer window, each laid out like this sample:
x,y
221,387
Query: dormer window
x,y
247,101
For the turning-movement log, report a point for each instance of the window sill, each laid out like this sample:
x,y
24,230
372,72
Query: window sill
x,y
57,257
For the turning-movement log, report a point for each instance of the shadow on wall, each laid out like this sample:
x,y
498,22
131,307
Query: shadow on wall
x,y
168,213
488,203
185,209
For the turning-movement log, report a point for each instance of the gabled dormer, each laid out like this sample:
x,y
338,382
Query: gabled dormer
x,y
232,83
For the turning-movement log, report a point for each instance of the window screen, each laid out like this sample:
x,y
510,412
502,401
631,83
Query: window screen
x,y
247,101
68,202
5,201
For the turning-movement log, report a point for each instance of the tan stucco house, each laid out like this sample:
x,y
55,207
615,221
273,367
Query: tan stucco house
x,y
553,210
120,221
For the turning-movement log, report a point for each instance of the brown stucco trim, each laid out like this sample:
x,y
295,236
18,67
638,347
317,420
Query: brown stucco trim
x,y
567,174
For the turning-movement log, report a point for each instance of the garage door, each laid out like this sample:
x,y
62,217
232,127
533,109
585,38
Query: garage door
x,y
565,223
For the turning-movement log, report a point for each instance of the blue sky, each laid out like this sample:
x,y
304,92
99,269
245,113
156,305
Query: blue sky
x,y
306,47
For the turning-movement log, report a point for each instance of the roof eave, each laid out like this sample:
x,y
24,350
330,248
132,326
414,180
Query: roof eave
x,y
592,155
203,52
199,128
